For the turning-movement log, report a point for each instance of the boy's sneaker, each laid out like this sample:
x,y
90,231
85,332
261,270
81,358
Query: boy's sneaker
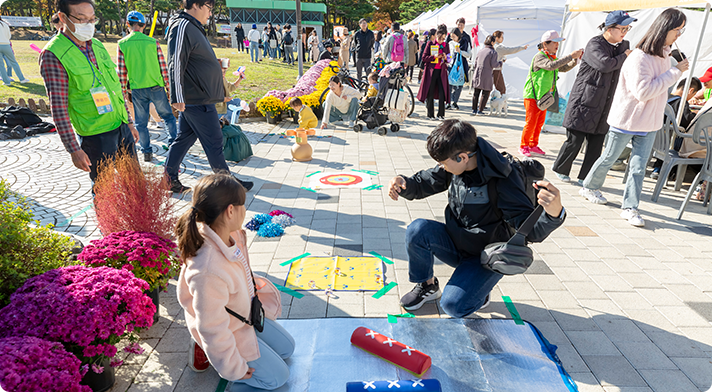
x,y
563,177
197,360
486,304
526,151
421,293
537,150
594,197
633,217
655,174
177,187
25,80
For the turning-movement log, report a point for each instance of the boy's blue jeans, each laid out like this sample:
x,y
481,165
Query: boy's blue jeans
x,y
469,284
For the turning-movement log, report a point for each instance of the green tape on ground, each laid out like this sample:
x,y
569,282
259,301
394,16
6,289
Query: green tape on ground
x,y
373,187
373,173
71,218
308,189
316,172
221,385
393,318
289,291
160,163
384,290
385,260
512,310
290,261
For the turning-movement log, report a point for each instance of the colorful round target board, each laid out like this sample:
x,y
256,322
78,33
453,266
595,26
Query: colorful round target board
x,y
340,180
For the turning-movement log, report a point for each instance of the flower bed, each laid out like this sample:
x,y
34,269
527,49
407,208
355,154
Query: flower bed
x,y
32,364
89,310
309,88
149,256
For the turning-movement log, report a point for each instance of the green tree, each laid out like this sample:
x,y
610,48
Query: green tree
x,y
411,9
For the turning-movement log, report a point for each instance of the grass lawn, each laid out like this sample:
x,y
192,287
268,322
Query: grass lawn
x,y
261,78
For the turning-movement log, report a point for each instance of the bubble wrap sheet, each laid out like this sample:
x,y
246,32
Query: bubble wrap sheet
x,y
468,355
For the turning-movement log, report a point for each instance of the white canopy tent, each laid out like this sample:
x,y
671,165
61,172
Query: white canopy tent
x,y
438,17
580,26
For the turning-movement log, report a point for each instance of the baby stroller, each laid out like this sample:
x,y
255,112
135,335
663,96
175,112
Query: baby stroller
x,y
391,104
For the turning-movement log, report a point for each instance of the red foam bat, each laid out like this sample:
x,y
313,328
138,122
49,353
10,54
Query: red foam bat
x,y
391,350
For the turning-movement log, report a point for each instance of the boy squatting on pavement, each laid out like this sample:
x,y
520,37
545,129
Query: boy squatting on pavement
x,y
466,166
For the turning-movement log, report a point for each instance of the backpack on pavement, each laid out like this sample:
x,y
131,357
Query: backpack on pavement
x,y
398,49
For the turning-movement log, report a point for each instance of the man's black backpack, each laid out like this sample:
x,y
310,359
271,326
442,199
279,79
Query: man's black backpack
x,y
514,256
288,40
16,115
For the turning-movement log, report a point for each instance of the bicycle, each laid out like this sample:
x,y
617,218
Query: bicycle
x,y
362,86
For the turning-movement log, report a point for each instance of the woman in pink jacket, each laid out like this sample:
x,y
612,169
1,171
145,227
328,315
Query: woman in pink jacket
x,y
223,301
637,111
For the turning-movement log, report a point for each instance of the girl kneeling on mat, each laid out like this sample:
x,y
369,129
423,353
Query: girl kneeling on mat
x,y
245,345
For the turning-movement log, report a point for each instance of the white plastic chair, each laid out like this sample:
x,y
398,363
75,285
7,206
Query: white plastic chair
x,y
701,134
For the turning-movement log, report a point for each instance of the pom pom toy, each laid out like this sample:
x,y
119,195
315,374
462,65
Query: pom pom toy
x,y
240,72
270,230
262,218
283,220
253,225
280,212
392,351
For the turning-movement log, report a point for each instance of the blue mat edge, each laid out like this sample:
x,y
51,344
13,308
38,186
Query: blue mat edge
x,y
550,351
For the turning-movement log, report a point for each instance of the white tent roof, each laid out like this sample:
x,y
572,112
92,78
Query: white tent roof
x,y
437,17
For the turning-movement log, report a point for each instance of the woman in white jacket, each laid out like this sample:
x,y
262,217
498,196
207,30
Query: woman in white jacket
x,y
638,110
222,299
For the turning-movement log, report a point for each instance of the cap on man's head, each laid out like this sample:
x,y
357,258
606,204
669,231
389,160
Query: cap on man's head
x,y
254,25
707,76
135,17
620,18
551,35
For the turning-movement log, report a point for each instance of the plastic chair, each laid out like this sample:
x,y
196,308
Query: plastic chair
x,y
670,157
701,132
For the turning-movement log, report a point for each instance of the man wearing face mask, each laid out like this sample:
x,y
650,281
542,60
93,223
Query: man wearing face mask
x,y
84,90
196,81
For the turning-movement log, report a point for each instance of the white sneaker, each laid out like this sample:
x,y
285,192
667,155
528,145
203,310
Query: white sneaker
x,y
633,217
594,196
563,177
25,80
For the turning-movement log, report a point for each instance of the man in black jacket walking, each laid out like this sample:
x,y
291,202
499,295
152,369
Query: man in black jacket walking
x,y
363,44
485,198
196,86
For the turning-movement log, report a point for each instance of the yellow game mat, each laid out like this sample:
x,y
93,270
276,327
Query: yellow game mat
x,y
336,273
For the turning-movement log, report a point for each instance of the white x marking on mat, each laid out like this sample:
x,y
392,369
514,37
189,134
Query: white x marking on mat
x,y
369,384
372,334
390,342
393,383
417,383
408,349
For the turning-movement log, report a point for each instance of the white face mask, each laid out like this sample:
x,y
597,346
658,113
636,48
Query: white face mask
x,y
83,31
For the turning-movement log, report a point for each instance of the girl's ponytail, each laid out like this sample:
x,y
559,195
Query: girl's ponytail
x,y
211,197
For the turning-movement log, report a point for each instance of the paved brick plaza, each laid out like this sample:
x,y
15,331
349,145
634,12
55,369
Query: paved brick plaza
x,y
629,308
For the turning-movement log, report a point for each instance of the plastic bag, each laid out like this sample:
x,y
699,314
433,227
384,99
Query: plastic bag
x,y
456,75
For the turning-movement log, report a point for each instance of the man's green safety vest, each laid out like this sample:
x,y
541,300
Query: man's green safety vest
x,y
141,57
84,76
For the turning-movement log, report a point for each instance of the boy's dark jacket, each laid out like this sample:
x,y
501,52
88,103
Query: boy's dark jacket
x,y
471,221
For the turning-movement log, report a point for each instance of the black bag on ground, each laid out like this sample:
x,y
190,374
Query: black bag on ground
x,y
514,256
43,127
16,115
236,146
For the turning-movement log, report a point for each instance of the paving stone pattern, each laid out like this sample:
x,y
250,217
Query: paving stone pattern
x,y
630,309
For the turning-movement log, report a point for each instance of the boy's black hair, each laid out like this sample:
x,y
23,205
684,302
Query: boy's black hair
x,y
451,138
188,4
294,102
336,79
695,84
63,5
